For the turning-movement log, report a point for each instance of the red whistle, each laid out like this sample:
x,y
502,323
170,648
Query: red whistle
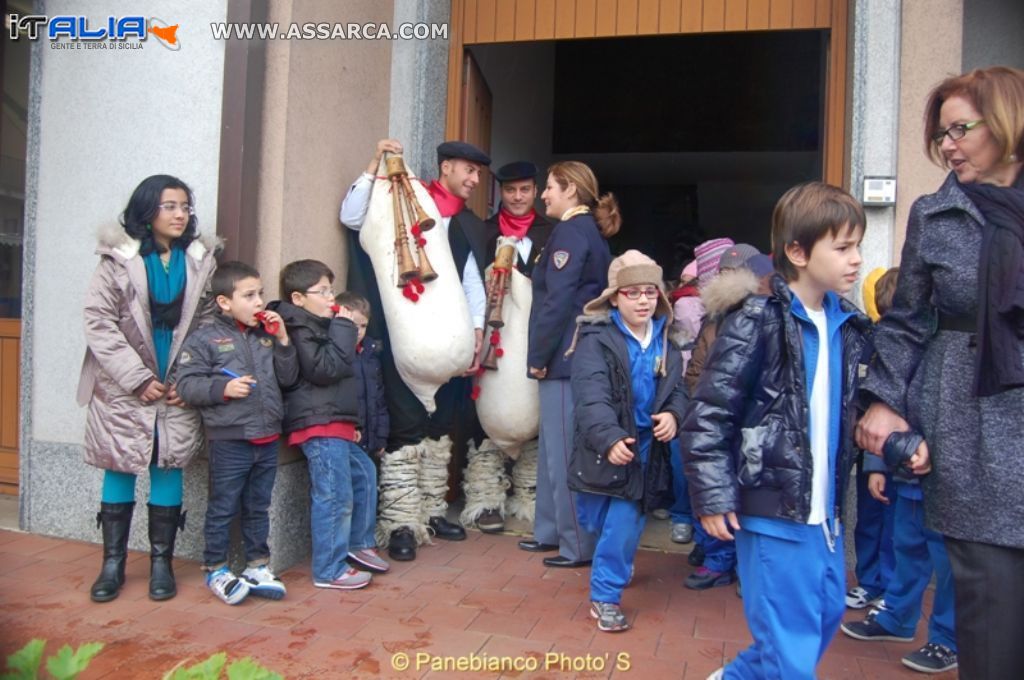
x,y
271,327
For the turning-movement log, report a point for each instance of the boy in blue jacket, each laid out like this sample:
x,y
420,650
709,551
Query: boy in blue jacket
x,y
768,436
628,383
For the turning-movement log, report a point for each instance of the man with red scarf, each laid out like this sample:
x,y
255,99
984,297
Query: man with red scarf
x,y
412,428
515,217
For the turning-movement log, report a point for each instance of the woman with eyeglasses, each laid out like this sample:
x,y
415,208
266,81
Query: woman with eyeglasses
x,y
570,271
950,358
148,290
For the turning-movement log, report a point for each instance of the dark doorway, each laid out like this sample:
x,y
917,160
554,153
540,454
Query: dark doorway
x,y
697,135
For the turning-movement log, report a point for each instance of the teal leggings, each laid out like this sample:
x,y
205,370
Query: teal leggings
x,y
165,487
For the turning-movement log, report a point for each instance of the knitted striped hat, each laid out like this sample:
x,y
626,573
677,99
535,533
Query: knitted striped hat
x,y
708,255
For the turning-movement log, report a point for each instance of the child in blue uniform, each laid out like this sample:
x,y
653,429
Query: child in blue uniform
x,y
919,551
768,436
629,387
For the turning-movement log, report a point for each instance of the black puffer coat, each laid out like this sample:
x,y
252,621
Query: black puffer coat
x,y
327,391
602,388
745,439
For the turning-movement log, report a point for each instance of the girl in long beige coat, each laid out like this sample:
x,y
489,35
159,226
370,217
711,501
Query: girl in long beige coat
x,y
148,291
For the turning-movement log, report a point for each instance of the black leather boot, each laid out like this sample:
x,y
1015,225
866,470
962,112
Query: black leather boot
x,y
164,523
116,520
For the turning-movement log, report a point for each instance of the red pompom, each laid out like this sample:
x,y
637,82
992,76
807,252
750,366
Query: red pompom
x,y
499,352
421,242
495,337
418,285
481,370
415,229
475,394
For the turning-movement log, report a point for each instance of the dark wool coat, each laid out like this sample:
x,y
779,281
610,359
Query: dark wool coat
x,y
975,491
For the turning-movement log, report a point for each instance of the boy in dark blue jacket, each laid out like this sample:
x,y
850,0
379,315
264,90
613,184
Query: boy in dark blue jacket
x,y
231,370
628,383
373,406
768,435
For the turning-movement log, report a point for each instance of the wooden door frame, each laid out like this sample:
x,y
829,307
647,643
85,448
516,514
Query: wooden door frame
x,y
835,151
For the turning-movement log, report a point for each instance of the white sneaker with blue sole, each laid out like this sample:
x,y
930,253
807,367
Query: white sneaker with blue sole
x,y
263,583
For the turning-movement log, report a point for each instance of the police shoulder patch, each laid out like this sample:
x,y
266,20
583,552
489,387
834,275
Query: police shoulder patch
x,y
560,258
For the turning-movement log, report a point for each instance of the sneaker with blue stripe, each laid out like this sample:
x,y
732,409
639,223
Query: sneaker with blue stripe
x,y
263,583
228,587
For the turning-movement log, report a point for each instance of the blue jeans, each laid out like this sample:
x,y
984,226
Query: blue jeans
x,y
241,479
364,502
332,499
680,510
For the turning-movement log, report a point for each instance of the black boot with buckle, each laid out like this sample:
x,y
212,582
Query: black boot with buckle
x,y
116,520
164,523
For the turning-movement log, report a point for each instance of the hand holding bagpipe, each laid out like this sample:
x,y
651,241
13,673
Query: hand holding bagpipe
x,y
405,204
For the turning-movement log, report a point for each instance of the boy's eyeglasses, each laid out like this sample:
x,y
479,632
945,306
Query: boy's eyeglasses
x,y
635,293
322,292
171,206
956,132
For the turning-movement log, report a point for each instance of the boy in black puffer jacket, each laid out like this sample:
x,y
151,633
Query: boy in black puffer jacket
x,y
628,382
768,436
322,418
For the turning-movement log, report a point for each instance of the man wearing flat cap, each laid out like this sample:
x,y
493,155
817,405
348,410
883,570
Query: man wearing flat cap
x,y
412,429
485,465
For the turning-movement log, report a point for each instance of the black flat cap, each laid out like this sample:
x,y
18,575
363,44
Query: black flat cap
x,y
516,170
464,150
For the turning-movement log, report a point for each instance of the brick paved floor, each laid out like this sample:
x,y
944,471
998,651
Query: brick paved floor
x,y
482,596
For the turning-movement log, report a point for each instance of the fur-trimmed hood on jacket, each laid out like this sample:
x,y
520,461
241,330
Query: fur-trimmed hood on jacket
x,y
113,240
726,291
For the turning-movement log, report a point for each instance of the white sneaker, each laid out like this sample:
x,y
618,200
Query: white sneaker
x,y
263,583
369,559
228,587
858,598
350,579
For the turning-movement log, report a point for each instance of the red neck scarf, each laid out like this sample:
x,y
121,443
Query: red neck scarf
x,y
510,225
448,203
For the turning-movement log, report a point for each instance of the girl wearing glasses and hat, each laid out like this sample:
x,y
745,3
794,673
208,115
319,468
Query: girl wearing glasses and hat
x,y
630,399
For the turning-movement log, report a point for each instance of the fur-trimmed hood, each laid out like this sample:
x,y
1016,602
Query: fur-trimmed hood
x,y
727,290
114,241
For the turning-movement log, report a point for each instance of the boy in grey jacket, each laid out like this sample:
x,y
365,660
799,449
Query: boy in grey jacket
x,y
233,370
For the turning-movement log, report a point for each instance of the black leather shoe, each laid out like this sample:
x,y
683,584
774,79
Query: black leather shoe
x,y
445,530
565,562
536,546
402,545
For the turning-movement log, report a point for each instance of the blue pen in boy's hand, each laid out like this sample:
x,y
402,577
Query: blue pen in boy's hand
x,y
231,374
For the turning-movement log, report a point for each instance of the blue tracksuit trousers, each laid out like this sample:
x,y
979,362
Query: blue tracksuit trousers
x,y
919,551
680,510
793,598
872,540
